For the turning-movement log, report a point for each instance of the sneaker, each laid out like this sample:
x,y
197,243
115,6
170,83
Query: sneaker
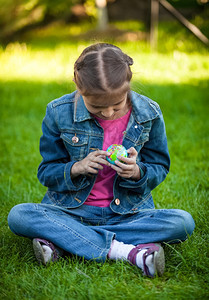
x,y
45,251
158,258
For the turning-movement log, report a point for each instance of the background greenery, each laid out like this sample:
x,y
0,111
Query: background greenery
x,y
38,68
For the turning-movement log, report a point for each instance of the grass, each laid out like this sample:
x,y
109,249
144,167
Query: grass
x,y
32,73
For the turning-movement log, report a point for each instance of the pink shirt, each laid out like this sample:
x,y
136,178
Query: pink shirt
x,y
102,193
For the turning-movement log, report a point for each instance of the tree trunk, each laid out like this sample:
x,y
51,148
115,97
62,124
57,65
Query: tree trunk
x,y
102,14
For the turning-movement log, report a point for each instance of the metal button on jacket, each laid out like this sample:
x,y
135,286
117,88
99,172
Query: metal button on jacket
x,y
117,201
75,139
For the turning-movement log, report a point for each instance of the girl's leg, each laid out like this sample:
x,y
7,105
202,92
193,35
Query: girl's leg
x,y
155,225
72,231
67,229
145,229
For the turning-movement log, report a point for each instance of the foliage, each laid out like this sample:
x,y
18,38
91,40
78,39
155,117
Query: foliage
x,y
186,3
39,69
18,14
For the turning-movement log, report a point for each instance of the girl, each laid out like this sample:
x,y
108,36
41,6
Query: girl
x,y
92,208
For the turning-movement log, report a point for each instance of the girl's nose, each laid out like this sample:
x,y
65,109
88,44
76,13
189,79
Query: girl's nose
x,y
107,113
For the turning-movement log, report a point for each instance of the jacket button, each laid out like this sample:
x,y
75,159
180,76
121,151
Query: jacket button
x,y
117,201
75,139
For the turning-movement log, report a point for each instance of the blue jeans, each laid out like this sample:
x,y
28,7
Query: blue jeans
x,y
88,231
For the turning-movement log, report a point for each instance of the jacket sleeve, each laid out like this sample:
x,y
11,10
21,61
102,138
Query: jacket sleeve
x,y
54,170
154,160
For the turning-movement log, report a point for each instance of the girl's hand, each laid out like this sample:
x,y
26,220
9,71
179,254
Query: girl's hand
x,y
92,163
128,169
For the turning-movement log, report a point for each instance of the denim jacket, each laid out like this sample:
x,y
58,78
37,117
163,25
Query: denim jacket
x,y
68,117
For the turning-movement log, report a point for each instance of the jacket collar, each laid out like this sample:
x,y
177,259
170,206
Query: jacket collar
x,y
80,111
143,108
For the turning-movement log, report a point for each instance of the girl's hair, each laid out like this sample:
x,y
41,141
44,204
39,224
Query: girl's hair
x,y
102,69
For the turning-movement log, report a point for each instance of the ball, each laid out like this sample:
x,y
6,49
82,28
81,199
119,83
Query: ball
x,y
116,150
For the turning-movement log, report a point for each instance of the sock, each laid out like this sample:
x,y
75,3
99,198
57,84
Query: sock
x,y
47,253
119,250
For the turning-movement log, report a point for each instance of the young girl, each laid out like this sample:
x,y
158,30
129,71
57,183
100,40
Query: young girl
x,y
92,208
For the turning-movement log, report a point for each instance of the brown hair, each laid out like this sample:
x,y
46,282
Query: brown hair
x,y
102,68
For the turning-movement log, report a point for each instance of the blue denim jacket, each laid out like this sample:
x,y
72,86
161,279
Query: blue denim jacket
x,y
68,117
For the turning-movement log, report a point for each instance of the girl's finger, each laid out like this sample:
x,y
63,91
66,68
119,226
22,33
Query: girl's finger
x,y
102,153
92,171
102,161
118,169
132,152
126,162
96,166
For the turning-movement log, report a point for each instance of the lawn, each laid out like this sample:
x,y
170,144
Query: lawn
x,y
38,69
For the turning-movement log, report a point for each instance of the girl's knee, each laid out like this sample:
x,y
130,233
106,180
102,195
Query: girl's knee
x,y
185,224
16,216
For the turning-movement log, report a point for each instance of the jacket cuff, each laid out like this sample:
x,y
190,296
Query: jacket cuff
x,y
81,181
142,168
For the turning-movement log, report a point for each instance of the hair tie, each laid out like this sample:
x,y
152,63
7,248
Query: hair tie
x,y
129,60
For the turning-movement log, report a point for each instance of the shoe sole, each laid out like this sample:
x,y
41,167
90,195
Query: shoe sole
x,y
39,253
159,261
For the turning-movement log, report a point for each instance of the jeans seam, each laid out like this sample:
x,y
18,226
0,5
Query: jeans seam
x,y
73,232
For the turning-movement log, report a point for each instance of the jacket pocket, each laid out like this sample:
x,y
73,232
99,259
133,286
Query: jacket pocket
x,y
76,145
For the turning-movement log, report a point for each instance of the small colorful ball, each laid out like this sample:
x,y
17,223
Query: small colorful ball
x,y
116,150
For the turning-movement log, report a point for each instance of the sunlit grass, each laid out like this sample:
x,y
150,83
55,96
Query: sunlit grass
x,y
130,25
21,61
50,53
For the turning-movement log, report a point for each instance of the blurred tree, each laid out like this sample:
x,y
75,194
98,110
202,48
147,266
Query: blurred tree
x,y
18,15
102,14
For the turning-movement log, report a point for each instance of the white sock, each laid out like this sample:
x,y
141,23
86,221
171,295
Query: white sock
x,y
119,250
47,253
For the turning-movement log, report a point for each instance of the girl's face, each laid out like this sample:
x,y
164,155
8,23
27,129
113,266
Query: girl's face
x,y
108,107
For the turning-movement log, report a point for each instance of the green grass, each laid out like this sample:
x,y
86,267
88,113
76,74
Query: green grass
x,y
33,73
